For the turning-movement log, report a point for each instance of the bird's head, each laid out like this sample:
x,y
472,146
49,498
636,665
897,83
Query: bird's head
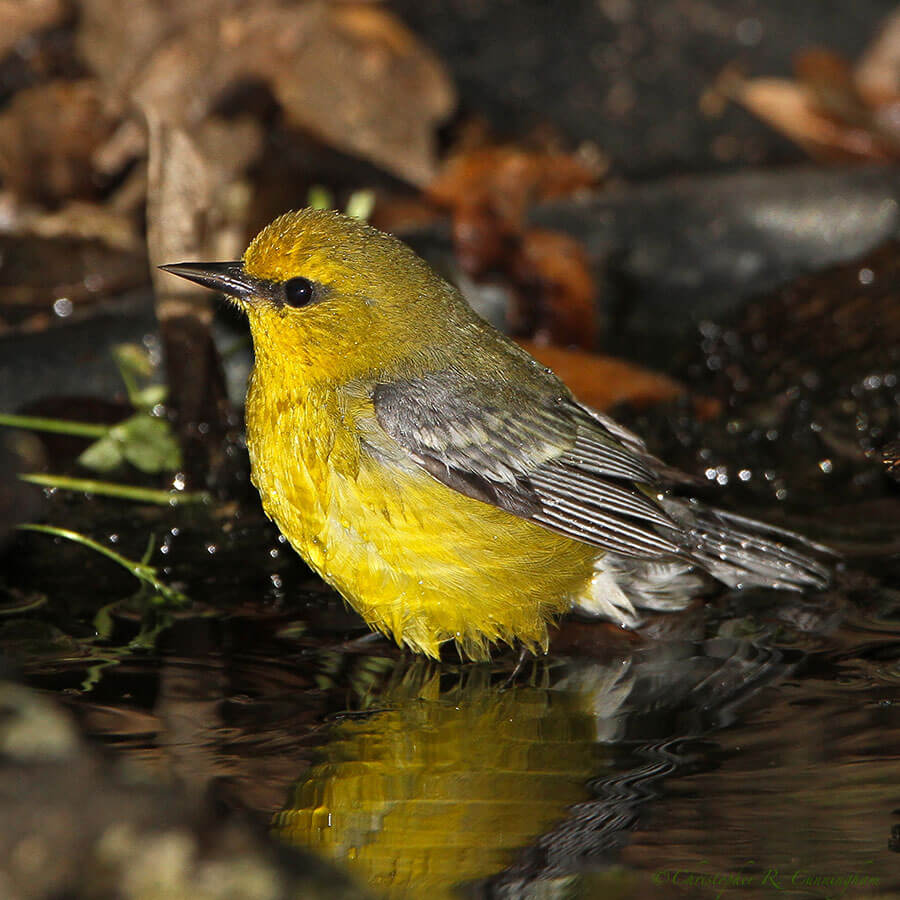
x,y
328,292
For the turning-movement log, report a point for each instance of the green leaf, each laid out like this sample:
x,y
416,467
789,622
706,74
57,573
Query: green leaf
x,y
143,440
360,205
148,444
102,455
319,197
136,367
148,397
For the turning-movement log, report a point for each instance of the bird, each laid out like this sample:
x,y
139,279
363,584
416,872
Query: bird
x,y
445,483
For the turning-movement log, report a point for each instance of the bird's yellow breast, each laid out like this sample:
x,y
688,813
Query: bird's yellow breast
x,y
416,559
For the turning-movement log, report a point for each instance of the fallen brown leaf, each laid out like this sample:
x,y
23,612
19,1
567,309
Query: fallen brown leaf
x,y
21,18
350,74
86,222
602,382
793,110
117,44
510,179
488,191
877,72
830,80
558,268
835,111
48,137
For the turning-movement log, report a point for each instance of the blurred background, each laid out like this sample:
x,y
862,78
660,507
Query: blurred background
x,y
688,209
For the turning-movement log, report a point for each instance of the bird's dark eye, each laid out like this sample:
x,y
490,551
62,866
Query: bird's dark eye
x,y
298,292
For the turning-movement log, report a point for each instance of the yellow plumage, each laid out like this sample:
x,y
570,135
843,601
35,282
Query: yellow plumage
x,y
447,485
417,560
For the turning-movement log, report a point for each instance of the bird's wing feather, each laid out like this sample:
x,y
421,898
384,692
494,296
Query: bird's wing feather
x,y
534,452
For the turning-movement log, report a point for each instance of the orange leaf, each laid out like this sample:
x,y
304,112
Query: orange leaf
x,y
604,381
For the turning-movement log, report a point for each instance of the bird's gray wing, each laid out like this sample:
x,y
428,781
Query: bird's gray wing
x,y
535,452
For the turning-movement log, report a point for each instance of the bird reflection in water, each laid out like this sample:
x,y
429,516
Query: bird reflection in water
x,y
452,776
452,773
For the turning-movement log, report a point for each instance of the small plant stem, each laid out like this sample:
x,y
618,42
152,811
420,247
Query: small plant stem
x,y
56,426
112,489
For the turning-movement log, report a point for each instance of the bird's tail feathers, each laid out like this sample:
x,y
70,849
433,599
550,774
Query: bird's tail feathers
x,y
743,552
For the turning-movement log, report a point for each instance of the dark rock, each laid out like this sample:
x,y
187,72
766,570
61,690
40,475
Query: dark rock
x,y
76,827
678,251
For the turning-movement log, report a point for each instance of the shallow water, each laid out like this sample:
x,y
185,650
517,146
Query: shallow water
x,y
725,749
746,747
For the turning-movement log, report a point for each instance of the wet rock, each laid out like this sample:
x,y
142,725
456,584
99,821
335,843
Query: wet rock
x,y
52,363
74,826
685,249
809,382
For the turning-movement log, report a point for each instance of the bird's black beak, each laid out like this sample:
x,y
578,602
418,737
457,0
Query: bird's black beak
x,y
227,277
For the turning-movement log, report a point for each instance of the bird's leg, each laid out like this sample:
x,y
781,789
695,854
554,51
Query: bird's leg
x,y
524,652
361,642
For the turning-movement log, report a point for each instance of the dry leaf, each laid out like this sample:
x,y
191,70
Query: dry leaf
x,y
878,70
352,75
792,109
829,78
602,382
117,46
489,191
48,137
84,222
834,111
363,83
559,269
509,179
22,17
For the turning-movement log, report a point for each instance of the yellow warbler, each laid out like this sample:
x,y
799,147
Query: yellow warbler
x,y
445,483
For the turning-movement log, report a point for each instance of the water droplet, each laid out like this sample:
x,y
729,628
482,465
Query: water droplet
x,y
872,382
